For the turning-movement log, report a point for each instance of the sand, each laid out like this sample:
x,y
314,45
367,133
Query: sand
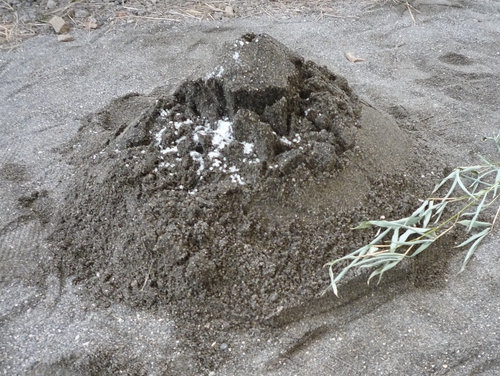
x,y
435,79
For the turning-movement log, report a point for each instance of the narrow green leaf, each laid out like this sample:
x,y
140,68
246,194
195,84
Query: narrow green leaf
x,y
344,271
333,284
406,235
388,224
379,272
419,212
462,186
478,235
445,180
363,225
380,237
372,250
422,248
467,223
472,249
427,215
394,240
379,259
478,210
497,182
439,212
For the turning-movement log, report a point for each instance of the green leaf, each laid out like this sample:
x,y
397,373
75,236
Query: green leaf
x,y
422,247
471,224
382,270
445,180
380,236
478,210
374,261
473,247
394,240
478,235
497,182
363,225
333,284
462,186
427,215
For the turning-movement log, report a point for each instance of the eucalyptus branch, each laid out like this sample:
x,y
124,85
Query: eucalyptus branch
x,y
469,191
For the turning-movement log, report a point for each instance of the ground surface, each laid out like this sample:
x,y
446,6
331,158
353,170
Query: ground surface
x,y
434,71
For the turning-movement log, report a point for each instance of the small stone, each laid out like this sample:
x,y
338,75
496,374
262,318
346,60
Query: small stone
x,y
223,346
65,38
229,11
51,4
59,25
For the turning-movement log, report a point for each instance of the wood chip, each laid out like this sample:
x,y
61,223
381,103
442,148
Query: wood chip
x,y
353,59
65,38
59,25
229,11
90,25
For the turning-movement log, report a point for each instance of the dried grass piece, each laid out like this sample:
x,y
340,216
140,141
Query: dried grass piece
x,y
353,59
13,33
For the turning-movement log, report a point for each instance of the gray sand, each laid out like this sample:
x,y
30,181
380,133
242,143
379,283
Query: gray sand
x,y
439,79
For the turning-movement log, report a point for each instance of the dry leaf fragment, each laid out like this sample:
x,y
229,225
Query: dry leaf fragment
x,y
59,25
90,24
353,59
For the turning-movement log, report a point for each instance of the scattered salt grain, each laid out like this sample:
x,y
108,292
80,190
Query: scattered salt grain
x,y
197,157
159,135
213,155
223,135
248,148
166,165
285,140
217,72
169,150
221,71
237,179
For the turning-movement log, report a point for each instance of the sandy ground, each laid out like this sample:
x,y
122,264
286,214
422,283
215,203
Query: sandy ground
x,y
438,76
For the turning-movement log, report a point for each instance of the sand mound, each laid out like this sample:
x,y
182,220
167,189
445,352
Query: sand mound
x,y
225,199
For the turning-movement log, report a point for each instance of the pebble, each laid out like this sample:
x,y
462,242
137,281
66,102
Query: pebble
x,y
51,4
